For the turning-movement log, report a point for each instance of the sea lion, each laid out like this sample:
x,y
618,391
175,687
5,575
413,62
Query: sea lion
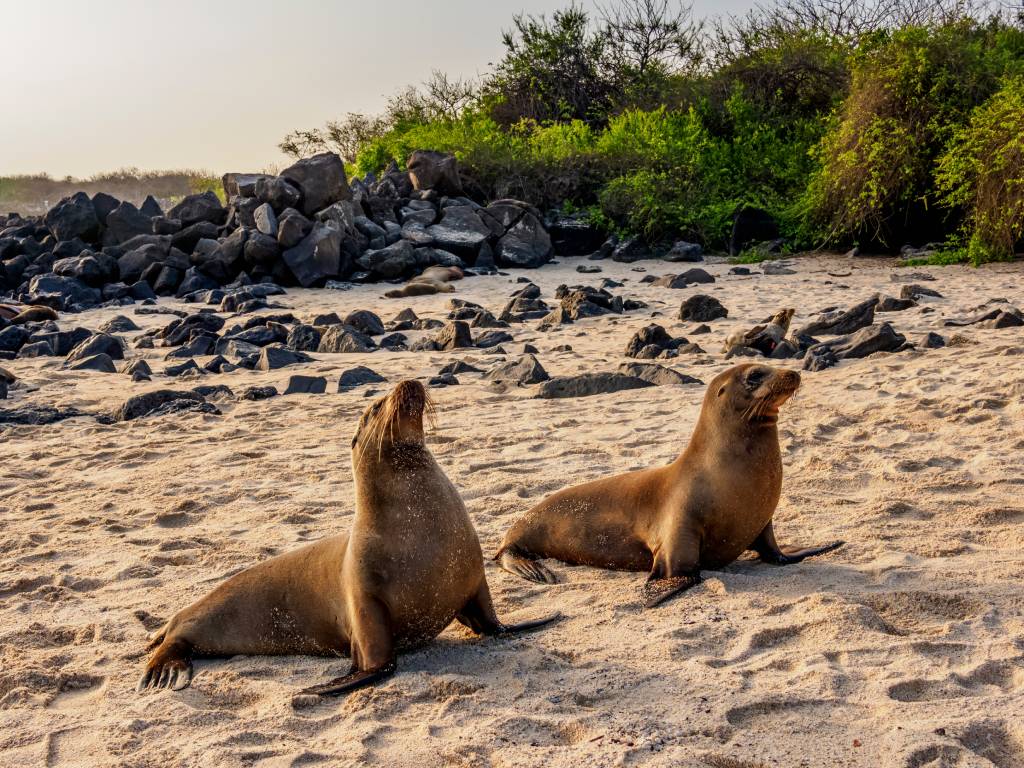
x,y
701,511
432,280
764,338
411,564
29,313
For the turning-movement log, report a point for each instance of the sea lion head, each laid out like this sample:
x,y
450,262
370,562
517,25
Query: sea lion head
x,y
751,394
393,422
782,318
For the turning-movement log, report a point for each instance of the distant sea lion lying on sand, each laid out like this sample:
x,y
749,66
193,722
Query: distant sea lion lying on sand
x,y
411,565
19,314
432,280
701,511
764,338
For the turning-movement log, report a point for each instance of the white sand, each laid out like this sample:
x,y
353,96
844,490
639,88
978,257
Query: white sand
x,y
904,648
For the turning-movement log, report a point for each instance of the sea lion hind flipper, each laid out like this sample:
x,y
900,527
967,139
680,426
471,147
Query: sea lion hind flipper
x,y
529,626
478,614
769,550
356,678
514,560
791,556
657,591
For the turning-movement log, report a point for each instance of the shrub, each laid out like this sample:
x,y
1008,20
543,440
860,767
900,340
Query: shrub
x,y
982,172
909,94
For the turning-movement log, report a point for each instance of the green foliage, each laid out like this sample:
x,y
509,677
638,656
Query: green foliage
x,y
874,122
552,70
911,91
982,171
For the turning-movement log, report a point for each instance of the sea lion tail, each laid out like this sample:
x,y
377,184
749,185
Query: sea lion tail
x,y
514,560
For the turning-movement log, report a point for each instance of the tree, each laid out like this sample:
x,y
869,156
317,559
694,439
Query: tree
x,y
552,70
439,98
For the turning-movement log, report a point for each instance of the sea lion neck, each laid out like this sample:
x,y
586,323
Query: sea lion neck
x,y
728,434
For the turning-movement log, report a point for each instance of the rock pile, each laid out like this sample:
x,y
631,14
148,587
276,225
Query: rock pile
x,y
307,226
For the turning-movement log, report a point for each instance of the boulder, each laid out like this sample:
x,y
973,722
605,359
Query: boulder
x,y
866,341
119,324
266,220
98,343
151,208
278,193
521,372
587,384
272,358
652,335
357,377
145,404
72,292
460,231
321,179
84,268
73,217
841,322
365,322
391,262
701,308
303,338
317,258
194,209
572,235
125,222
631,249
525,244
99,362
658,374
914,292
453,335
436,171
306,385
241,184
340,338
13,338
103,204
684,251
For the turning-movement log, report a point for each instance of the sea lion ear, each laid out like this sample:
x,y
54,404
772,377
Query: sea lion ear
x,y
721,390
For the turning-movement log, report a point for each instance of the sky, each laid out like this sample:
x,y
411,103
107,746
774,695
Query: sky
x,y
98,85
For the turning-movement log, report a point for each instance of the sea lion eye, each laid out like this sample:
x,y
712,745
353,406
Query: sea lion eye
x,y
755,377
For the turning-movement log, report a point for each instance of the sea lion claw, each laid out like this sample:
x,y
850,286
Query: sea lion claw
x,y
799,555
656,591
357,678
529,626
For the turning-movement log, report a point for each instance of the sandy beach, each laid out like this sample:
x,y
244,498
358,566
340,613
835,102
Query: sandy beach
x,y
903,648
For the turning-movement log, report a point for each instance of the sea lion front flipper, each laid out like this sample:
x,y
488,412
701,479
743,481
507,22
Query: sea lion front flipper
x,y
169,667
769,550
478,614
657,591
372,648
356,678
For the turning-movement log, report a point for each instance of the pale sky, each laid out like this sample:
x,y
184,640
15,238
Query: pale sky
x,y
95,85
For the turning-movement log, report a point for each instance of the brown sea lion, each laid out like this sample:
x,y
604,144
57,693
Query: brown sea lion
x,y
19,314
411,564
419,288
432,280
701,511
764,337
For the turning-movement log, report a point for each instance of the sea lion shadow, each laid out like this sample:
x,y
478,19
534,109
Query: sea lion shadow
x,y
749,574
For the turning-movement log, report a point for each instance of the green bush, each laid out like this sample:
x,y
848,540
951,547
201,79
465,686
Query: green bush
x,y
911,92
843,129
982,172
